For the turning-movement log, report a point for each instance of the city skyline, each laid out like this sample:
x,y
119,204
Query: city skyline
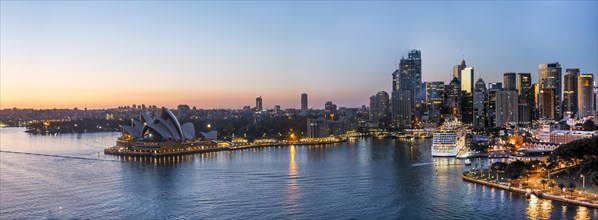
x,y
108,54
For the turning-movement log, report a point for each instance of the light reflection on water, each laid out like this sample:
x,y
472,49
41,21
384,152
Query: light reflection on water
x,y
365,179
538,208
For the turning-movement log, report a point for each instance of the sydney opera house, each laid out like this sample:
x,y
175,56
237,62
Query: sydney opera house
x,y
162,133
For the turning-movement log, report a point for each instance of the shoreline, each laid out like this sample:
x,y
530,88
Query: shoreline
x,y
538,193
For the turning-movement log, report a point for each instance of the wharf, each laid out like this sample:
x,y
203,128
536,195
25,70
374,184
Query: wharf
x,y
114,150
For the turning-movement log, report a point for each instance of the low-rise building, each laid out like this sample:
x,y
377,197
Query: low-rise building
x,y
566,136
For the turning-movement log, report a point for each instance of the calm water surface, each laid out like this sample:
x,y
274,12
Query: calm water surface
x,y
361,179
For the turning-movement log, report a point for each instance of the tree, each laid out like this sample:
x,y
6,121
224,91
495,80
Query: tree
x,y
499,166
543,181
571,188
551,184
515,169
561,186
588,125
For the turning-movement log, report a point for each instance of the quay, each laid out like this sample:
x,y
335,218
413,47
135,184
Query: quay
x,y
590,203
122,151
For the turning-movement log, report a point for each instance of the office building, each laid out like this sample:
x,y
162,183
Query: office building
x,y
402,116
379,109
506,108
493,88
457,70
524,86
570,91
304,105
546,104
330,108
435,99
466,101
510,81
420,89
408,78
550,78
480,101
585,95
258,104
467,79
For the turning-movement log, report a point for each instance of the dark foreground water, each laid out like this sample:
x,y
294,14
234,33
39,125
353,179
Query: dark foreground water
x,y
362,179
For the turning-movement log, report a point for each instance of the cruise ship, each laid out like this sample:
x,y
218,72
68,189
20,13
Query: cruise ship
x,y
449,139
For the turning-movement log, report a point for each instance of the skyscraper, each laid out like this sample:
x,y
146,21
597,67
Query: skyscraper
x,y
466,101
304,102
546,104
258,104
435,99
452,92
493,88
402,117
550,77
479,103
506,107
379,108
510,81
457,70
467,79
420,89
407,78
533,104
585,95
570,91
329,107
524,85
373,109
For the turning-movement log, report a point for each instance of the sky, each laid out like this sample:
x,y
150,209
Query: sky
x,y
103,54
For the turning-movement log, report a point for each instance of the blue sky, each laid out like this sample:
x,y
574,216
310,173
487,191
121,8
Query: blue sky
x,y
224,54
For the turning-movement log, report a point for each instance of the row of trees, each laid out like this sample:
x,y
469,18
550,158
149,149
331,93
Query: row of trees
x,y
580,156
518,169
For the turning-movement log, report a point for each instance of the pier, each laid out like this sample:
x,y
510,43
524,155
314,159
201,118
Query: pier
x,y
121,151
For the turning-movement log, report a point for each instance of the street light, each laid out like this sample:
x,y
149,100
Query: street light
x,y
583,182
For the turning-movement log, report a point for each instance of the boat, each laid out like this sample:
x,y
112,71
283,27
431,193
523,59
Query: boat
x,y
449,139
467,162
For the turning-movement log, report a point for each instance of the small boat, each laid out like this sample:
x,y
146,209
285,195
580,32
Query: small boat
x,y
467,162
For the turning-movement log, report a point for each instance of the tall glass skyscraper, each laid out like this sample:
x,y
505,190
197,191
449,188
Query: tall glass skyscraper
x,y
510,81
570,91
407,81
524,86
467,95
550,81
585,95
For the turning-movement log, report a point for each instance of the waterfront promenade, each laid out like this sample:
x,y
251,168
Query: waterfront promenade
x,y
115,150
577,198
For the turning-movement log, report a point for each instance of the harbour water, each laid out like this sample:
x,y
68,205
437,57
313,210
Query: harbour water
x,y
68,176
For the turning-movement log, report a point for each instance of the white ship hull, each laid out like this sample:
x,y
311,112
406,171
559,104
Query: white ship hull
x,y
448,143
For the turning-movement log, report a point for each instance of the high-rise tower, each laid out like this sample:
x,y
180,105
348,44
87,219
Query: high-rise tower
x,y
570,91
304,102
585,95
524,92
258,104
407,82
550,81
510,81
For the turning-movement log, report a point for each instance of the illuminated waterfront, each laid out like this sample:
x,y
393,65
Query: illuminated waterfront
x,y
364,178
